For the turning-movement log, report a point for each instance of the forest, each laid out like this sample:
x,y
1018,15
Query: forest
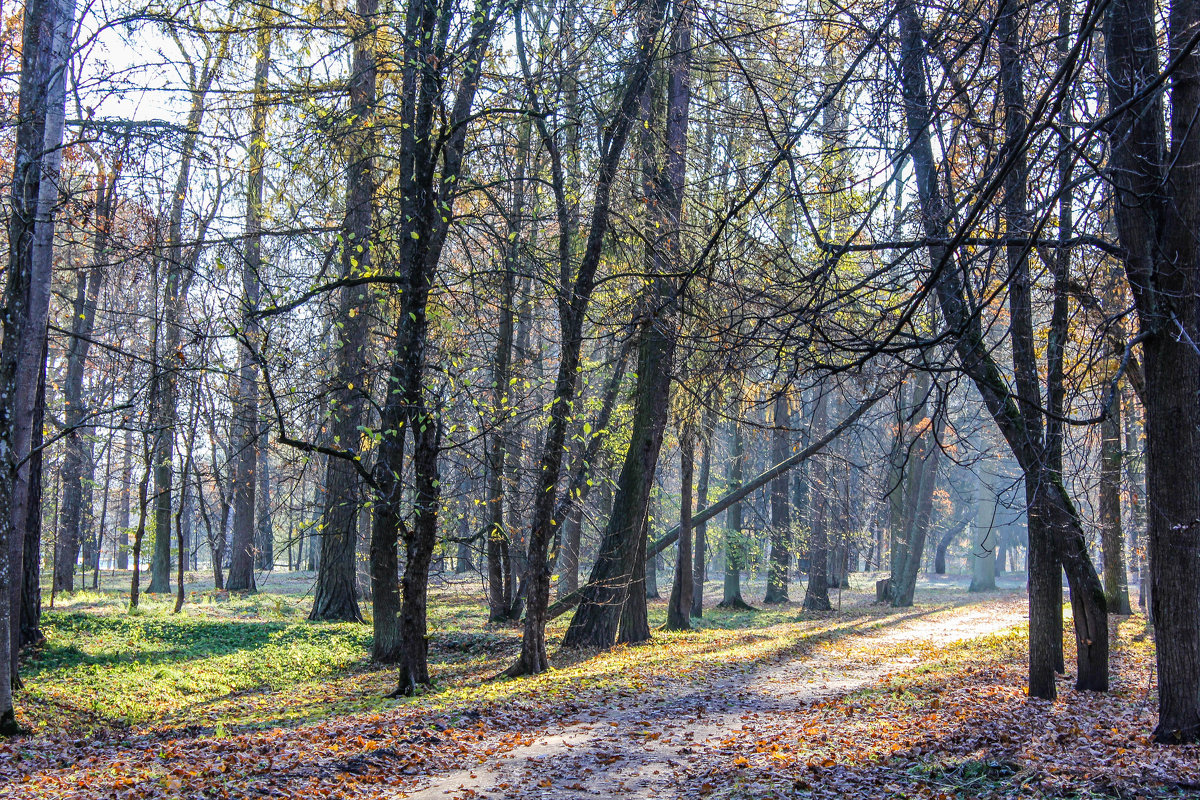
x,y
629,398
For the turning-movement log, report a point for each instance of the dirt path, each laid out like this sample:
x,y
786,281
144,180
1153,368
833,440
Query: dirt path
x,y
639,747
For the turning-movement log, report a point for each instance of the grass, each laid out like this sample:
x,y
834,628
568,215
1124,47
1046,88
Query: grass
x,y
954,723
255,661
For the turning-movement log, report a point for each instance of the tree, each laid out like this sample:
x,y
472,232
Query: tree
x,y
781,522
1056,534
248,440
179,261
1155,173
574,292
46,46
336,594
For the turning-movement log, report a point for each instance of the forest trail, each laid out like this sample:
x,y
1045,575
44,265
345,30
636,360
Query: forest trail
x,y
651,744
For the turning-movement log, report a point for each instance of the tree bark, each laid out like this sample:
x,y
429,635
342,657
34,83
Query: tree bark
x,y
247,439
1156,211
634,627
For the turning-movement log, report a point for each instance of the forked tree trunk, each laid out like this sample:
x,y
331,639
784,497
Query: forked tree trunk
x,y
1054,528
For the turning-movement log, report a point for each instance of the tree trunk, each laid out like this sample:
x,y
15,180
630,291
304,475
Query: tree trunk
x,y
598,623
816,594
923,470
75,411
1133,458
247,439
914,472
680,605
634,627
407,412
264,536
735,538
168,340
35,190
501,445
616,571
1045,497
124,500
31,599
139,533
336,593
568,564
781,521
1112,538
984,539
699,571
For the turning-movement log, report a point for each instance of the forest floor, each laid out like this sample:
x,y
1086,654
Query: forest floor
x,y
240,697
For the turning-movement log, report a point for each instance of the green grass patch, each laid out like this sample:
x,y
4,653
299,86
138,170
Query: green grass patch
x,y
134,669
